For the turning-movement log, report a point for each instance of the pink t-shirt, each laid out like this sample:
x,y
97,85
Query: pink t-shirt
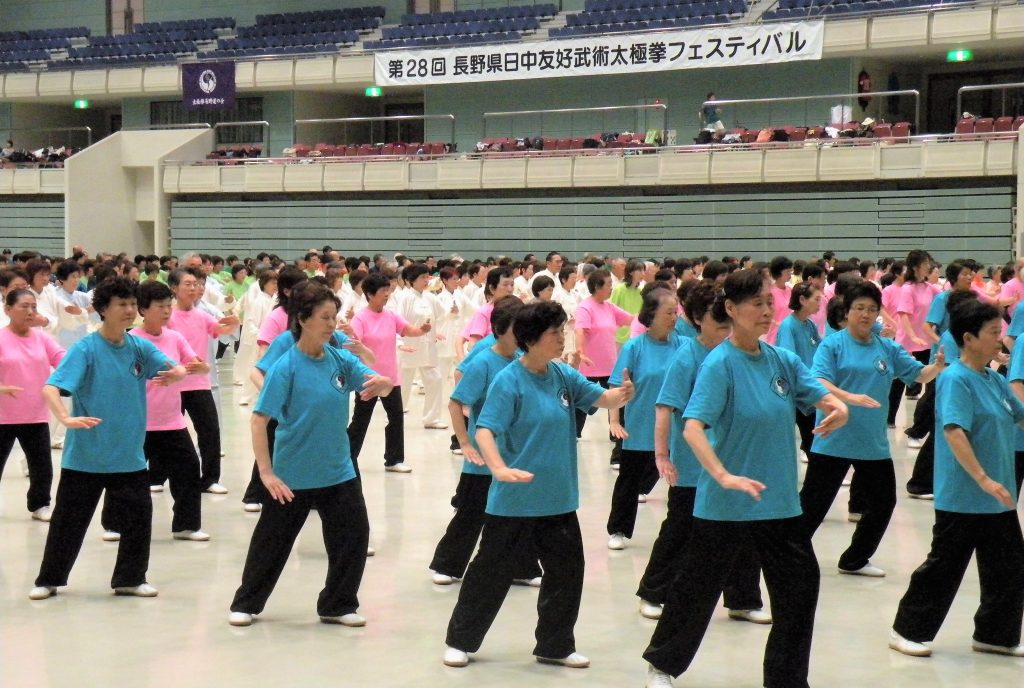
x,y
1013,288
197,327
378,331
163,403
780,309
636,328
273,325
914,299
600,322
26,362
480,324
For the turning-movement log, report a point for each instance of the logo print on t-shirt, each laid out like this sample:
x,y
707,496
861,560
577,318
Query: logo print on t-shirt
x,y
563,396
780,386
882,366
339,382
136,369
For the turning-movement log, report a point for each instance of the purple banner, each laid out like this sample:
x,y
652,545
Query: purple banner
x,y
208,85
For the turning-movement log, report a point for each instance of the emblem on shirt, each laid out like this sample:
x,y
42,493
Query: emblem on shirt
x,y
563,396
339,382
136,368
780,386
882,366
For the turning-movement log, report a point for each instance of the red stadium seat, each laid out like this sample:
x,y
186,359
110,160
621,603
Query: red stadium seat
x,y
1018,123
576,144
983,125
964,127
1003,124
798,134
900,131
563,144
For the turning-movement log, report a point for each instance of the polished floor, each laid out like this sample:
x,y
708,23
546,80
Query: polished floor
x,y
86,637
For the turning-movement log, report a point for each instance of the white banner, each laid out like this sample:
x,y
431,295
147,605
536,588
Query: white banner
x,y
723,46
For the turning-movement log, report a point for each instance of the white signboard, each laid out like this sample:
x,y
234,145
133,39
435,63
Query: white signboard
x,y
722,46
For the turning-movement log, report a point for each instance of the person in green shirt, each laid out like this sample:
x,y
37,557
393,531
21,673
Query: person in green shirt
x,y
238,284
627,296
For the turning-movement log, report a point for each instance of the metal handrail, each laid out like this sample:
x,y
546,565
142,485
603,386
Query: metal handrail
x,y
559,111
990,87
816,11
183,125
87,130
345,121
836,96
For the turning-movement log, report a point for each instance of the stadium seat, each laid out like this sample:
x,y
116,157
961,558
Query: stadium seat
x,y
964,127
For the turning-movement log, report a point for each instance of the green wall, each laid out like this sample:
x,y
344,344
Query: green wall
x,y
36,225
278,109
868,222
245,11
682,91
21,15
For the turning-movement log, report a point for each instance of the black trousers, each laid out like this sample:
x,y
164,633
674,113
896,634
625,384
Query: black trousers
x,y
346,532
560,549
202,411
924,413
1019,460
637,470
790,572
922,478
805,425
822,481
394,431
896,390
34,439
255,492
742,587
581,416
131,508
171,453
456,546
996,540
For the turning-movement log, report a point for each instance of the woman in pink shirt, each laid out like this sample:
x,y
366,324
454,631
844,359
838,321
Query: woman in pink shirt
x,y
498,285
168,446
597,321
781,269
27,355
377,328
915,298
277,322
197,401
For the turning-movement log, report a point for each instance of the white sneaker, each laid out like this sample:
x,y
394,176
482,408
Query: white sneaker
x,y
657,679
41,592
442,579
217,489
617,541
111,536
144,590
252,507
847,481
23,464
803,459
528,582
914,443
641,499
42,514
650,610
854,517
398,468
908,647
613,466
868,569
928,497
193,535
352,620
370,550
240,619
437,425
457,451
156,488
1015,651
573,661
57,445
757,616
455,658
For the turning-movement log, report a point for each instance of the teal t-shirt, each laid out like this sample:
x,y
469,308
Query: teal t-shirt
x,y
108,382
471,391
647,360
283,343
684,328
481,346
862,368
675,394
532,417
800,337
1014,373
309,399
750,401
983,404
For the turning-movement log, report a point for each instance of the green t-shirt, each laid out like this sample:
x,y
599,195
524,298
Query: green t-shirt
x,y
630,300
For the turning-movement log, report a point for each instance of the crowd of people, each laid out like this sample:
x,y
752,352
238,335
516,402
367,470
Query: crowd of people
x,y
719,377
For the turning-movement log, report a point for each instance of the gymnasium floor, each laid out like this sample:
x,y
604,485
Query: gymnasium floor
x,y
86,637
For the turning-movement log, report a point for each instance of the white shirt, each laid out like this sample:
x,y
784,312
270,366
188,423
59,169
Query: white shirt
x,y
419,308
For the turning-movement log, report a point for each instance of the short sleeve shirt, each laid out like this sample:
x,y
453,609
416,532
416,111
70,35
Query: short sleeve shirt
x,y
471,391
675,394
163,402
26,362
600,322
378,331
648,361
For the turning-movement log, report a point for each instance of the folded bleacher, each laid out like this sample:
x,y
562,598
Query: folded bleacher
x,y
465,27
798,9
605,16
21,50
297,33
148,43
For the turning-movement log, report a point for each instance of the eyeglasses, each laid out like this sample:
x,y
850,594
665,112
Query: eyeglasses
x,y
870,310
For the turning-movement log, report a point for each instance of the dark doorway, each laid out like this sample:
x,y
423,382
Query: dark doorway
x,y
408,130
942,88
